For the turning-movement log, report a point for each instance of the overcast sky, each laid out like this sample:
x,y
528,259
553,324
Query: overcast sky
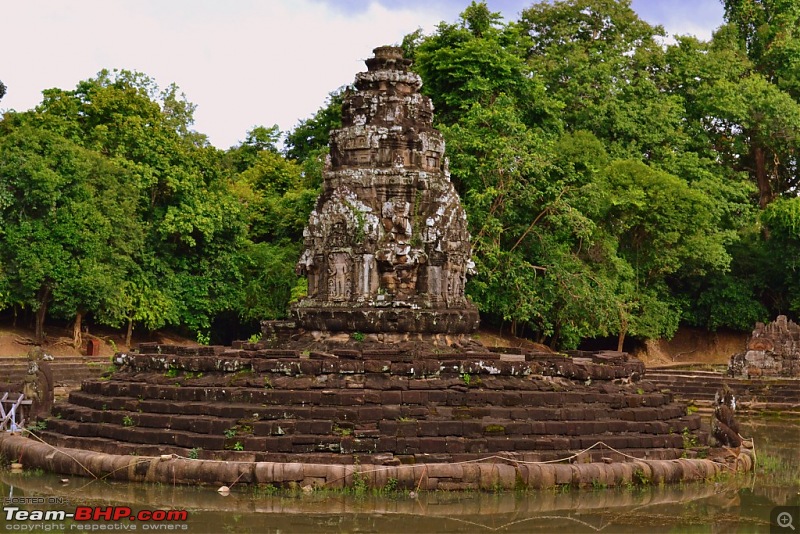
x,y
242,62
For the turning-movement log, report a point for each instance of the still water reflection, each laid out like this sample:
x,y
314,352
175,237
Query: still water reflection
x,y
738,504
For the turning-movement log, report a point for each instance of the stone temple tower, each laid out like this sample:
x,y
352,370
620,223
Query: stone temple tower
x,y
387,247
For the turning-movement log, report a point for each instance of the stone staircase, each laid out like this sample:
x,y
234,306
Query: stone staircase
x,y
755,394
376,405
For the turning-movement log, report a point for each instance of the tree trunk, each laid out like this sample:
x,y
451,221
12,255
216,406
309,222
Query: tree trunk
x,y
77,340
623,328
129,333
41,313
621,340
556,334
765,195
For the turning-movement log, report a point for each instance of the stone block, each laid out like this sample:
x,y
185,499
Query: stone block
x,y
391,397
370,413
414,397
428,428
432,445
456,445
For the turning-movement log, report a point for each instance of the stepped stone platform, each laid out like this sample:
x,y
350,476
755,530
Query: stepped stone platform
x,y
372,403
752,395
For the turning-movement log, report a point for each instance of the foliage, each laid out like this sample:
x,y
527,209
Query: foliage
x,y
782,220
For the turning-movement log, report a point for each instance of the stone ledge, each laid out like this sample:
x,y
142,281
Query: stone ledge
x,y
490,474
387,320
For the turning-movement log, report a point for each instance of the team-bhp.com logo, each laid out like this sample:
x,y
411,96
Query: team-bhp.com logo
x,y
149,519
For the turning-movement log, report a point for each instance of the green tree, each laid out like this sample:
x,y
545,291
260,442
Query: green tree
x,y
190,218
310,137
665,228
67,228
770,33
758,110
475,61
279,195
782,221
605,64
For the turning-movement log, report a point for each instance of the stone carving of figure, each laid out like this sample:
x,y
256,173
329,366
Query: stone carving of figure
x,y
455,282
368,277
338,276
396,213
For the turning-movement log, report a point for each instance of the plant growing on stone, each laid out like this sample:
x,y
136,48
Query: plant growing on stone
x,y
231,432
359,483
41,424
358,336
204,338
128,421
238,446
391,485
640,478
342,431
194,454
689,439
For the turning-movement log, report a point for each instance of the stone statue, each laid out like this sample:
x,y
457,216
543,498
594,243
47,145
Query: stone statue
x,y
724,426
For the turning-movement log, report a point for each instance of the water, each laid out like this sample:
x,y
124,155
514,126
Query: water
x,y
737,504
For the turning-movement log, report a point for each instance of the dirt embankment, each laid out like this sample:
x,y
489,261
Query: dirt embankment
x,y
693,345
15,341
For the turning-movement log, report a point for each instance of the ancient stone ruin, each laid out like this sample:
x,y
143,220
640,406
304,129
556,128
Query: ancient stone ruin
x,y
36,385
773,350
377,371
387,248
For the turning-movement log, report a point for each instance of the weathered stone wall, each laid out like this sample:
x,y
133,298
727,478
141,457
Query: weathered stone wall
x,y
773,350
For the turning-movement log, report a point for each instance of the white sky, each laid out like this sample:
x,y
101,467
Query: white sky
x,y
242,62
